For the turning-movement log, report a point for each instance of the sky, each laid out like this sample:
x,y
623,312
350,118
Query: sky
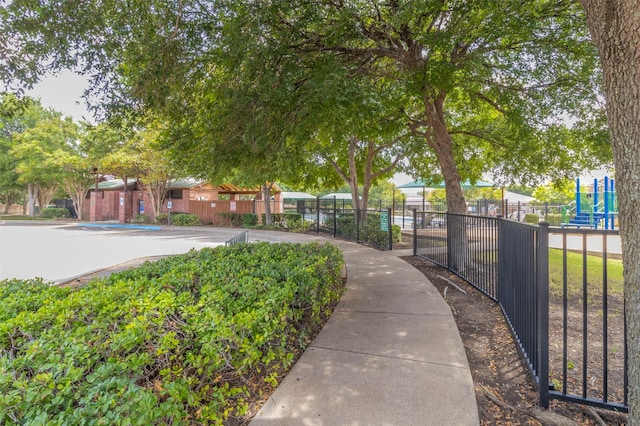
x,y
63,93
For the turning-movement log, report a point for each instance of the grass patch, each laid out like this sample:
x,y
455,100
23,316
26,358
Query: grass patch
x,y
575,274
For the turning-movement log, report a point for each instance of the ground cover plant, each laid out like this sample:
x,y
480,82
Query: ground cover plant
x,y
193,338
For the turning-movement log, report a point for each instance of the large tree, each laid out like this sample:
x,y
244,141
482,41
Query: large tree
x,y
33,146
480,81
615,29
16,116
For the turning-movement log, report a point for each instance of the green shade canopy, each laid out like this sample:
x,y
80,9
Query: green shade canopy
x,y
465,185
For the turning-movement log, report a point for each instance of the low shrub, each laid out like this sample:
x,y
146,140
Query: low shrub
x,y
532,218
170,342
249,220
232,219
162,219
368,232
283,220
185,219
554,219
55,213
141,218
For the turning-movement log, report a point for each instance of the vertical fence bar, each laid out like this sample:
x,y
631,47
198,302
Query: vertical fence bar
x,y
404,201
543,313
318,215
605,322
415,232
448,235
390,227
335,217
565,313
585,318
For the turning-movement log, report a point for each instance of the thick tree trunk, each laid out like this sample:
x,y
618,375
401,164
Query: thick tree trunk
x,y
266,196
615,29
32,191
442,144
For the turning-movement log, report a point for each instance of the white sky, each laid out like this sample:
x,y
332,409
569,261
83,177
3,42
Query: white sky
x,y
63,92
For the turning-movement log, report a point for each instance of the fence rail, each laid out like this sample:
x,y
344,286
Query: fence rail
x,y
367,226
559,289
243,237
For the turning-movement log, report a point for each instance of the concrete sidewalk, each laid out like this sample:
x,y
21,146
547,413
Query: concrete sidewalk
x,y
390,354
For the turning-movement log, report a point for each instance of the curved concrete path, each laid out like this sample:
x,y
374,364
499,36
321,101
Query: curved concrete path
x,y
390,354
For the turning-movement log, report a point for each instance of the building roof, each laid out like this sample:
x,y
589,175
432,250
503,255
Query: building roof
x,y
114,184
118,184
512,197
294,195
465,185
337,196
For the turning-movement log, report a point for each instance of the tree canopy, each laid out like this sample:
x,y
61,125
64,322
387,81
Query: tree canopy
x,y
482,86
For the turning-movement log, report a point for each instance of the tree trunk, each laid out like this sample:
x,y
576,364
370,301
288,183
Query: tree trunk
x,y
157,192
266,196
615,29
32,191
442,144
45,195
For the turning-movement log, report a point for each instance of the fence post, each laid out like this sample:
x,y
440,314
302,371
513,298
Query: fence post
x,y
317,215
335,214
543,313
446,228
546,211
403,207
390,229
415,232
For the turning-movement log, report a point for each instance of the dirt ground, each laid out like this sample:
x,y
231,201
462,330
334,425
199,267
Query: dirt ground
x,y
505,391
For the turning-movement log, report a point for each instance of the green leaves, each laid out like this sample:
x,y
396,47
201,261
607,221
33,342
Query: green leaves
x,y
169,341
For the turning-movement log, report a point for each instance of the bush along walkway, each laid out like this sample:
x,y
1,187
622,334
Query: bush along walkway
x,y
194,338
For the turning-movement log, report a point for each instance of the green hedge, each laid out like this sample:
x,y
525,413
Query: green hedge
x,y
554,219
233,219
185,219
163,218
55,213
532,218
170,342
249,220
369,232
283,220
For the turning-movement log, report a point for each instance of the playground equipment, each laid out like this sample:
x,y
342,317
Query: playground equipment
x,y
593,209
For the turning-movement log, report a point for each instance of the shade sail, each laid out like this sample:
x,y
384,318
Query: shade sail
x,y
465,185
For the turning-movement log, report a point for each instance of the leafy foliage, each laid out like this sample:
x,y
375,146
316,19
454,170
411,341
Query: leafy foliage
x,y
249,219
173,341
57,213
185,219
368,231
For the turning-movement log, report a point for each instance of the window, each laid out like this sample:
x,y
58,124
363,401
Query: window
x,y
174,194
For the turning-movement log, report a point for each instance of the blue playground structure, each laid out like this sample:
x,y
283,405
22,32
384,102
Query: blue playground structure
x,y
598,208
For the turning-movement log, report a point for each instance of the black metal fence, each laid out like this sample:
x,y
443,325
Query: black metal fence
x,y
560,290
365,226
243,237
